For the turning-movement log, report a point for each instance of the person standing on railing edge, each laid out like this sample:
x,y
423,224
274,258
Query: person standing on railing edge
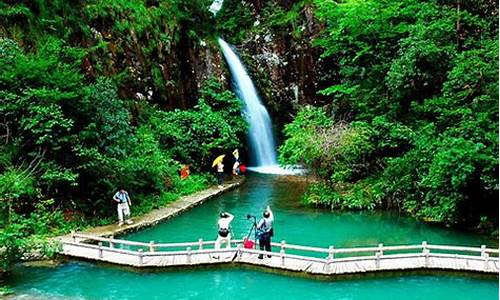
x,y
223,234
123,206
265,231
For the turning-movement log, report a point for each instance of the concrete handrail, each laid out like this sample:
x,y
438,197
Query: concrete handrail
x,y
422,248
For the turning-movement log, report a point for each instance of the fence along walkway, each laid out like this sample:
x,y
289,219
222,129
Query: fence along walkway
x,y
322,261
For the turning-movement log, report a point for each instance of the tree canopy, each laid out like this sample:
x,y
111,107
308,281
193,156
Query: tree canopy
x,y
413,118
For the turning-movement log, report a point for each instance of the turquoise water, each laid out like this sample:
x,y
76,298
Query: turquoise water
x,y
314,227
88,281
299,225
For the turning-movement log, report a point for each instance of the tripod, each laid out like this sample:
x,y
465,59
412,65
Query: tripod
x,y
254,227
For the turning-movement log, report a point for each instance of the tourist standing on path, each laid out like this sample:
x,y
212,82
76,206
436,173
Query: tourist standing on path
x,y
237,162
265,231
220,174
123,200
224,234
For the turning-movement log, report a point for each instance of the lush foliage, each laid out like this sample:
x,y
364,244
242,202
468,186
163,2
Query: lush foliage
x,y
195,136
242,20
413,119
86,96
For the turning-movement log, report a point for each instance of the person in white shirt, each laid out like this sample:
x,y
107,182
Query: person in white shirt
x,y
220,174
123,202
224,233
265,231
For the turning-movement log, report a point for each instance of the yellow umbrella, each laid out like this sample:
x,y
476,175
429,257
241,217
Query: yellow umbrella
x,y
218,160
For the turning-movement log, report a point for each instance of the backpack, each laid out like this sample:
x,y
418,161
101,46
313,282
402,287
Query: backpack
x,y
223,232
264,230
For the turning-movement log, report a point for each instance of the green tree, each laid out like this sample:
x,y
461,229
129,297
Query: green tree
x,y
419,84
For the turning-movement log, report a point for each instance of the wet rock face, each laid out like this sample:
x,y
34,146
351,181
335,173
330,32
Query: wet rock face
x,y
171,75
287,70
285,67
191,66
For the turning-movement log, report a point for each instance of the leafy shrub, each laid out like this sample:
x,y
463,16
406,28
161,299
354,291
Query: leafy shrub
x,y
422,101
28,234
194,136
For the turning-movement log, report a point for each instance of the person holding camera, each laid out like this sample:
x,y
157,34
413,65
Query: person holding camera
x,y
265,231
224,234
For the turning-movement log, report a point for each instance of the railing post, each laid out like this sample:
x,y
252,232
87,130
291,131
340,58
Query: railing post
x,y
239,252
200,244
152,246
188,255
283,245
141,257
100,249
282,255
331,253
486,261
426,252
111,244
73,236
378,255
329,258
485,256
377,260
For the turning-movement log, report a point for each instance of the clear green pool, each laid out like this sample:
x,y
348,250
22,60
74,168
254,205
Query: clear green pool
x,y
295,224
299,225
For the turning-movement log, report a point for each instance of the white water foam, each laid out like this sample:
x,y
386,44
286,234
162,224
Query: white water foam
x,y
277,170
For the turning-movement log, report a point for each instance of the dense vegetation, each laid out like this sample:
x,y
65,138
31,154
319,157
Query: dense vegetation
x,y
72,130
413,119
97,95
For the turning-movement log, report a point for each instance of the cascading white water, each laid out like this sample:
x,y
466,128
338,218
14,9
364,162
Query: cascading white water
x,y
262,146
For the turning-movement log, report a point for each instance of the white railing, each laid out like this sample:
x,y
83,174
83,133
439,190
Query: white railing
x,y
328,257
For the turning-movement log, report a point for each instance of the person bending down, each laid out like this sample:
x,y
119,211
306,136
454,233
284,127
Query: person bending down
x,y
224,234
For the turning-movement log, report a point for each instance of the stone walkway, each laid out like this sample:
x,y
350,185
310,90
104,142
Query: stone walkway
x,y
161,214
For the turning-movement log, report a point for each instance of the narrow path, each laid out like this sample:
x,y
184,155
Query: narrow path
x,y
161,214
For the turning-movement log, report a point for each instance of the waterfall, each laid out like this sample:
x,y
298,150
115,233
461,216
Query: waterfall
x,y
260,135
216,6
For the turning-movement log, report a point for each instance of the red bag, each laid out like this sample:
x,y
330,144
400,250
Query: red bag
x,y
243,168
248,244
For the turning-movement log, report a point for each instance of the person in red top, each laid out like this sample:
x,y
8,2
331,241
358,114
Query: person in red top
x,y
185,172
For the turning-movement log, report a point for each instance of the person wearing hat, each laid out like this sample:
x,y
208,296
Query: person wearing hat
x,y
265,231
224,233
